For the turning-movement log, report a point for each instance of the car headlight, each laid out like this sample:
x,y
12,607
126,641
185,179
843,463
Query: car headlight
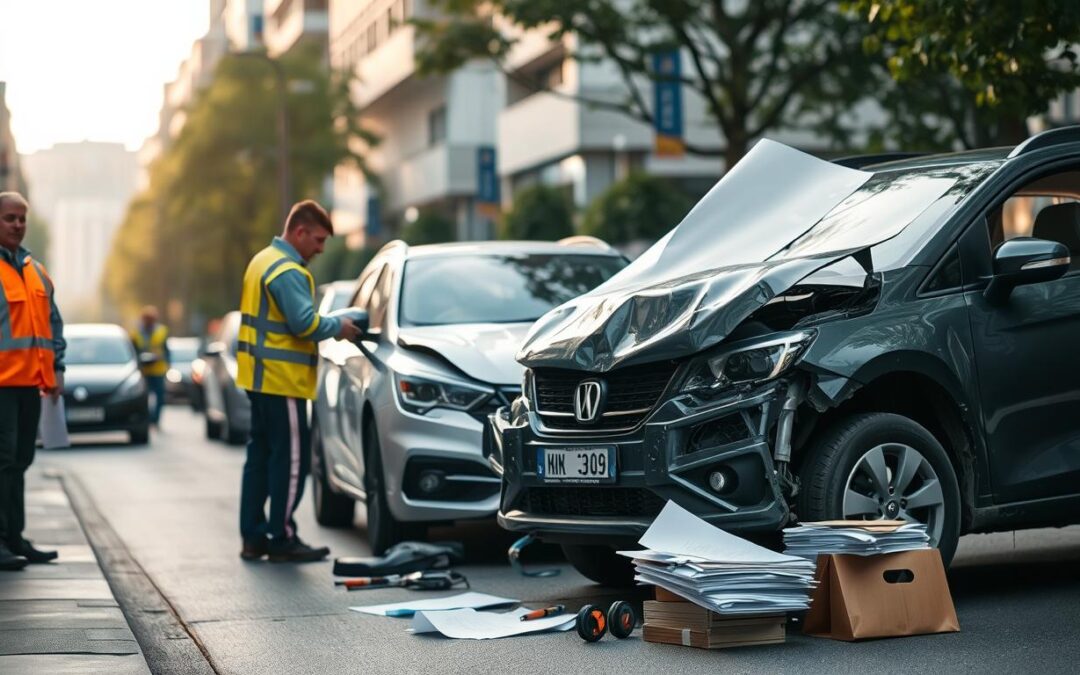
x,y
174,376
131,387
421,394
747,361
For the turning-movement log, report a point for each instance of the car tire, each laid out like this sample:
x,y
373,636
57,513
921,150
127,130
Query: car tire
x,y
331,509
888,459
228,433
600,564
140,436
383,529
213,429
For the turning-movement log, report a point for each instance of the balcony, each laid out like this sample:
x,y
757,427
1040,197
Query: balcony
x,y
288,21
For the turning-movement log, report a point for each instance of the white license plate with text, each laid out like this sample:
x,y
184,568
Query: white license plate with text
x,y
85,414
590,464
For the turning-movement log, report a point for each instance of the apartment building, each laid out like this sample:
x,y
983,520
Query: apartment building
x,y
286,23
244,24
437,133
11,177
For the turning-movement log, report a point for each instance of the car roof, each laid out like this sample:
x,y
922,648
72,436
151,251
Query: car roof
x,y
93,330
943,159
510,248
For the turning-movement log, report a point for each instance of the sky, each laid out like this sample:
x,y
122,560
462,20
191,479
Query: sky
x,y
92,69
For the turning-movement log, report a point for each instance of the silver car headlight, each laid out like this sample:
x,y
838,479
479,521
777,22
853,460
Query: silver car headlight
x,y
421,394
748,361
134,385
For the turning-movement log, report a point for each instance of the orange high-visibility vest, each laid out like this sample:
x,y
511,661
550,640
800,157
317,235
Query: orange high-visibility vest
x,y
26,339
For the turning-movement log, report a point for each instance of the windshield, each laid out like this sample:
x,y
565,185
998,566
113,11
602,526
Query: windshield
x,y
98,350
496,288
183,351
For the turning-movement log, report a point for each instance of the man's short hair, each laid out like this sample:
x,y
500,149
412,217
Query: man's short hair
x,y
308,212
14,197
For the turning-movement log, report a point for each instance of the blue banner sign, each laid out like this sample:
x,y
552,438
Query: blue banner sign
x,y
487,177
668,104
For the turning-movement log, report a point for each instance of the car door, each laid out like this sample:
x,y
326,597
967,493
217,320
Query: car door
x,y
1029,374
363,368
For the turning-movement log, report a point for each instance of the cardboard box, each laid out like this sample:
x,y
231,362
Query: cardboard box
x,y
758,635
683,623
890,595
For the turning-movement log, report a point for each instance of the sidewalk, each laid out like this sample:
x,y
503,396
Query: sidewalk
x,y
62,617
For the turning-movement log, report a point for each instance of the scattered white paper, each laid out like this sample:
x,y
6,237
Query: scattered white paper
x,y
809,540
463,600
52,426
469,624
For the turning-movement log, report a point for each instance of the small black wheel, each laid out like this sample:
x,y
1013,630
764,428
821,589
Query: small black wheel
x,y
213,429
621,619
591,623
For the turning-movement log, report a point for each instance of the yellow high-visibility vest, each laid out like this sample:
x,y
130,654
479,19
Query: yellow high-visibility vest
x,y
270,359
156,346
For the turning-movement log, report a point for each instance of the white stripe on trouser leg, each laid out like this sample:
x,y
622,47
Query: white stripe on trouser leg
x,y
294,463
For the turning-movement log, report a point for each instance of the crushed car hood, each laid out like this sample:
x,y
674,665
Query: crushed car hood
x,y
777,217
483,351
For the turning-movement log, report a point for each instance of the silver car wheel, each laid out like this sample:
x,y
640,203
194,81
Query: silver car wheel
x,y
894,481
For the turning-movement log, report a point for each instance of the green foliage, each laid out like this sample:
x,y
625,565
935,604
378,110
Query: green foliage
x,y
979,68
338,261
540,212
213,200
430,227
753,63
638,208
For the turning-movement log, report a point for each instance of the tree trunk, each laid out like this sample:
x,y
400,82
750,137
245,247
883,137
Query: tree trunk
x,y
737,146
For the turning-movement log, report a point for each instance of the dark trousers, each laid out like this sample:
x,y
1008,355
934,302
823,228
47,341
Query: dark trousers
x,y
156,384
278,461
20,408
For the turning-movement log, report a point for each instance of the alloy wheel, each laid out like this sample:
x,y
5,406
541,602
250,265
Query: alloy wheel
x,y
894,481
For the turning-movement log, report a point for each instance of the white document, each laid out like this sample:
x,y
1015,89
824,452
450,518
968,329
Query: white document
x,y
469,624
678,532
52,426
460,601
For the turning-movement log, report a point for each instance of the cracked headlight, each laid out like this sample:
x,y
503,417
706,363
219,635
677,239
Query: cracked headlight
x,y
747,361
421,394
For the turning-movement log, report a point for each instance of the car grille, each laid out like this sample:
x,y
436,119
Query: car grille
x,y
503,396
636,388
592,501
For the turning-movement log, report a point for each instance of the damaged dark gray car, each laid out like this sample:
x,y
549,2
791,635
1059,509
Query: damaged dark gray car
x,y
817,341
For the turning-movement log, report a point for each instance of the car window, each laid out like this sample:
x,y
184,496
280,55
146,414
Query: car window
x,y
946,276
98,350
1047,208
380,298
367,282
497,288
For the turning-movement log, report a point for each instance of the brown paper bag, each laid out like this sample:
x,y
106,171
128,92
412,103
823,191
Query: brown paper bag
x,y
877,596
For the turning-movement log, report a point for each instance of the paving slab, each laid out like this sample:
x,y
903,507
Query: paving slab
x,y
74,664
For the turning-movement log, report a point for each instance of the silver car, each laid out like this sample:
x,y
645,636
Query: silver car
x,y
399,415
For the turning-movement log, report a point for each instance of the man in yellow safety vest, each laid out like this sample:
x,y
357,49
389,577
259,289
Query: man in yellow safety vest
x,y
151,342
276,363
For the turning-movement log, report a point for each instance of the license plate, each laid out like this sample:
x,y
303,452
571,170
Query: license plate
x,y
85,414
591,464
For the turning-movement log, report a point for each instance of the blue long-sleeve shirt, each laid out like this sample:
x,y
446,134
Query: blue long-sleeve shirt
x,y
293,296
17,259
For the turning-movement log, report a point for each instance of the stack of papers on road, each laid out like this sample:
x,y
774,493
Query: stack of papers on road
x,y
717,570
856,537
689,625
470,624
468,600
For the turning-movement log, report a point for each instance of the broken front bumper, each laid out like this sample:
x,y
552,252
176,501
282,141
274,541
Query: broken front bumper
x,y
672,455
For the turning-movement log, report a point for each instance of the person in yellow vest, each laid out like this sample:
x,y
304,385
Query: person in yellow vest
x,y
276,362
151,342
31,365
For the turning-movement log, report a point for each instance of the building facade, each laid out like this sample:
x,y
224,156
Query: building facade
x,y
290,22
11,177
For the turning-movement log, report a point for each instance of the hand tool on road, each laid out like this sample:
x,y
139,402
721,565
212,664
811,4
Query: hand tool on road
x,y
545,612
427,580
403,558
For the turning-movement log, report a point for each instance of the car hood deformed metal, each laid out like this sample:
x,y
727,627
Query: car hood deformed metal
x,y
778,216
483,351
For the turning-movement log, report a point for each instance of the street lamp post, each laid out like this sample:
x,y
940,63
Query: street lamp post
x,y
284,187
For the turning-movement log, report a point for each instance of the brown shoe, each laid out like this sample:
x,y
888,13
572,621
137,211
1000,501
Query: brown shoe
x,y
253,549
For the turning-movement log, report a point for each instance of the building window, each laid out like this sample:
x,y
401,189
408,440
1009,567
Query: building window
x,y
437,126
372,38
391,23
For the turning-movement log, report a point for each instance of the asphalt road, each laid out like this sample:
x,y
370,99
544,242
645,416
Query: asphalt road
x,y
174,506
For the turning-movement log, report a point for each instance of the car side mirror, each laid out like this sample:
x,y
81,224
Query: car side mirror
x,y
1026,260
215,349
359,317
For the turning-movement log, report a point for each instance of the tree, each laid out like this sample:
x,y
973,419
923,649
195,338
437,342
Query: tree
x,y
639,208
540,212
429,227
981,68
212,200
753,63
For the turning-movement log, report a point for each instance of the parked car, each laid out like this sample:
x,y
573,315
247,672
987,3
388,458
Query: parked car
x,y
815,342
103,388
399,416
178,383
335,295
226,406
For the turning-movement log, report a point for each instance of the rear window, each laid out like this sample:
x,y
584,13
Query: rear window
x,y
497,288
